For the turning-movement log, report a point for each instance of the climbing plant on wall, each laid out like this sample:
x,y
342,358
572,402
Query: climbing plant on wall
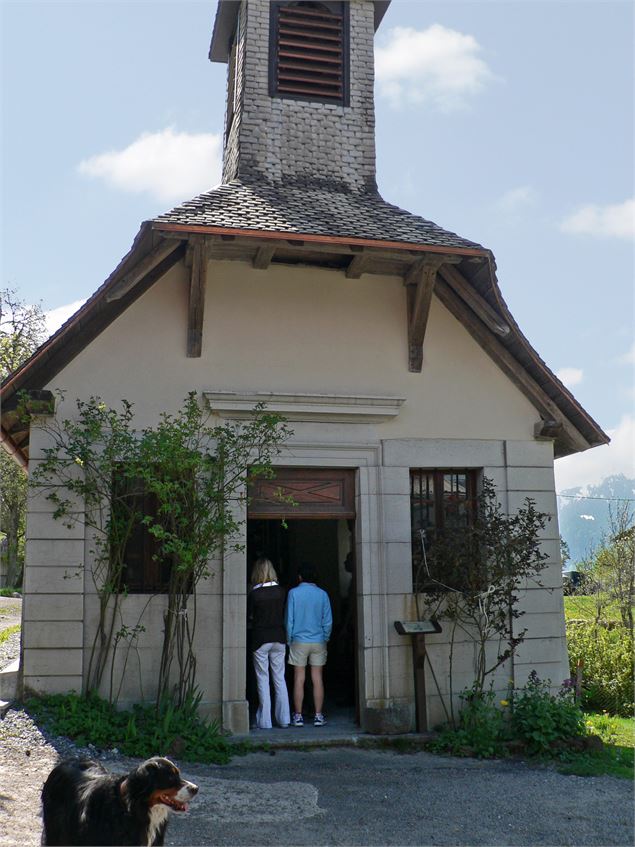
x,y
182,482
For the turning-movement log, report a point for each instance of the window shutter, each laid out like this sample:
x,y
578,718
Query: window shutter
x,y
309,61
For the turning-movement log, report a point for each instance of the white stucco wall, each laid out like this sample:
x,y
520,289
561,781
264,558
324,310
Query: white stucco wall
x,y
301,329
292,329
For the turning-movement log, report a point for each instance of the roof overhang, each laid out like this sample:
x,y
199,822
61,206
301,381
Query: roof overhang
x,y
467,287
225,26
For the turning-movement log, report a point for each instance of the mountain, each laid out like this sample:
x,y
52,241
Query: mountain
x,y
584,521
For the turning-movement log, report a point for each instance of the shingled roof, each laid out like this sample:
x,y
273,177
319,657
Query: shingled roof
x,y
311,208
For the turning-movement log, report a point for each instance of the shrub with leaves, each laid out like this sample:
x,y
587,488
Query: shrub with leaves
x,y
481,730
607,670
141,732
540,718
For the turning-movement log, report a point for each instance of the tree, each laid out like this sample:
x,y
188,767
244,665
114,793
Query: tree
x,y
99,470
473,577
614,564
22,329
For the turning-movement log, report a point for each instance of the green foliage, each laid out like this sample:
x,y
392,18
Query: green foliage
x,y
481,730
141,732
5,634
607,671
615,759
101,470
474,576
22,329
540,718
9,592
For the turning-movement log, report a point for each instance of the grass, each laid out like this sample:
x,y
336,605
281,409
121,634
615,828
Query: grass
x,y
8,632
8,592
142,731
617,757
583,608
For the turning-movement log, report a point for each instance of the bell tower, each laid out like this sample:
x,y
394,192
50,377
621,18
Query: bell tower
x,y
300,101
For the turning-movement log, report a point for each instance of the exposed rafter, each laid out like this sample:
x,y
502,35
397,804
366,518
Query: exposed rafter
x,y
510,366
147,263
196,306
263,257
478,304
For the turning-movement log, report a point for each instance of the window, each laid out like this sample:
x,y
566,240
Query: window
x,y
144,572
309,51
442,503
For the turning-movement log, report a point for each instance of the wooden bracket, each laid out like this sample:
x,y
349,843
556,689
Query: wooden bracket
x,y
196,308
547,430
419,281
358,265
263,256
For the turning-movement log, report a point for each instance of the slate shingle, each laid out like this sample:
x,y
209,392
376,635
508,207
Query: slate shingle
x,y
311,208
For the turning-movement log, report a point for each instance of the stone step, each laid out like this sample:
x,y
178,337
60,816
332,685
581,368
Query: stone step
x,y
9,680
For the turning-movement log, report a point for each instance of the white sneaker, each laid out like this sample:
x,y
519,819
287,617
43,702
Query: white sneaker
x,y
319,719
297,720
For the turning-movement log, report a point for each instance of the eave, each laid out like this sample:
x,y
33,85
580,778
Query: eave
x,y
463,278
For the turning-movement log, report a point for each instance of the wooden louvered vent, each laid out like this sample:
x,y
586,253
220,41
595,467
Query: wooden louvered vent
x,y
310,52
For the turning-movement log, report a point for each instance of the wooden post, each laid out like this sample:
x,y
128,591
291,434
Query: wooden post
x,y
419,664
196,307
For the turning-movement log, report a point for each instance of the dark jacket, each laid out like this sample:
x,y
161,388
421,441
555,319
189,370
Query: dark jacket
x,y
265,615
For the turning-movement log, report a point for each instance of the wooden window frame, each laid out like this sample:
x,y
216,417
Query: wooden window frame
x,y
339,7
142,546
438,501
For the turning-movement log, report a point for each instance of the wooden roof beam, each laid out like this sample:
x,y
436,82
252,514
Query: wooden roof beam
x,y
147,263
263,257
361,263
466,292
420,281
510,366
196,306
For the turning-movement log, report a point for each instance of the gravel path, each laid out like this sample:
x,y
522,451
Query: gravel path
x,y
343,797
337,796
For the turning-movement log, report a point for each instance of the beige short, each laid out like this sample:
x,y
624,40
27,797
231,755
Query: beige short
x,y
314,653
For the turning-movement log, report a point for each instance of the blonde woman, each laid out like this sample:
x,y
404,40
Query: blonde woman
x,y
265,614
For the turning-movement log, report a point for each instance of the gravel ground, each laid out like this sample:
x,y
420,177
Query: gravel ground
x,y
343,797
337,796
9,649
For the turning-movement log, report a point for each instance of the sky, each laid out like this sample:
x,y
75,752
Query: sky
x,y
510,123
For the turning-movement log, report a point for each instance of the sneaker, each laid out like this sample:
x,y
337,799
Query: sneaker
x,y
319,719
297,720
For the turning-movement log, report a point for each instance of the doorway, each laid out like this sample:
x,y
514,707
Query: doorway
x,y
319,528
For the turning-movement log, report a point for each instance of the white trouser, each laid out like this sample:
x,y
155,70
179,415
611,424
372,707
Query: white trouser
x,y
271,655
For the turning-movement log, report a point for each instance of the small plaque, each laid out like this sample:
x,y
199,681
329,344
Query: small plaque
x,y
417,627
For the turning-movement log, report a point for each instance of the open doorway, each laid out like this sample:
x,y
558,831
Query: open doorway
x,y
322,531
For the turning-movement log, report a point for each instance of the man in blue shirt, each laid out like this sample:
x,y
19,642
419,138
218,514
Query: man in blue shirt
x,y
309,622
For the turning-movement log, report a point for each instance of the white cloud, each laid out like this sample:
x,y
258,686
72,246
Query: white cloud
x,y
628,358
587,517
54,318
592,466
437,65
517,198
570,376
616,221
171,166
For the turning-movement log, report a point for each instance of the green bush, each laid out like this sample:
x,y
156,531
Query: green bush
x,y
540,718
481,730
607,673
142,732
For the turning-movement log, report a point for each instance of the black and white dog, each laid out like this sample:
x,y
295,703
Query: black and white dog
x,y
82,804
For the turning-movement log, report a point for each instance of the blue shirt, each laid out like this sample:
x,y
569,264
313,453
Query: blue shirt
x,y
308,617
